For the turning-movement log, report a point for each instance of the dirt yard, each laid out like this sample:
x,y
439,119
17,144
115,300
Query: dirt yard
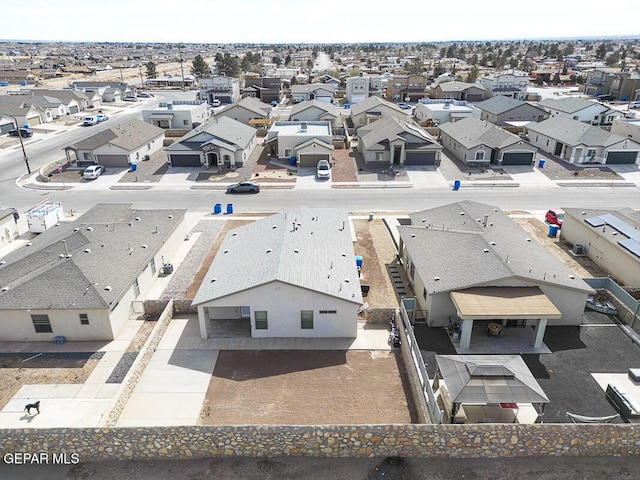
x,y
17,370
582,266
344,168
377,250
307,388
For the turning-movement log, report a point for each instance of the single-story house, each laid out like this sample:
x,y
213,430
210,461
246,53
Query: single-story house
x,y
304,143
108,91
6,123
23,113
589,111
391,141
479,142
219,142
374,108
581,143
469,261
249,110
178,114
78,280
8,226
316,111
75,101
293,274
471,92
436,112
628,127
502,109
314,91
329,80
610,237
118,146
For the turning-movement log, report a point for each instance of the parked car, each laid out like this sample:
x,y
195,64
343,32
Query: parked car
x,y
404,106
323,170
244,187
145,95
130,99
635,104
216,102
101,117
93,172
90,120
23,132
554,217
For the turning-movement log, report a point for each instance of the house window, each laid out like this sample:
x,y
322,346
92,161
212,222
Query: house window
x,y
185,122
379,156
41,323
87,156
84,319
136,288
424,293
152,264
261,319
324,312
148,146
591,153
412,271
306,319
288,152
480,155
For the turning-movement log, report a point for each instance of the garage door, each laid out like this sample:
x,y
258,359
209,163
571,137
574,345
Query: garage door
x,y
74,109
420,158
185,161
113,160
311,160
617,158
34,121
517,158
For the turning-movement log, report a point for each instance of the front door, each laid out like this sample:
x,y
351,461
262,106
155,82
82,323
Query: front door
x,y
558,150
397,152
245,312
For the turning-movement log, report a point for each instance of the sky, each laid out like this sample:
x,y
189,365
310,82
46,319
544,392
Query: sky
x,y
310,21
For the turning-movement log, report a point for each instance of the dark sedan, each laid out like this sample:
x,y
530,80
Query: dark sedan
x,y
23,132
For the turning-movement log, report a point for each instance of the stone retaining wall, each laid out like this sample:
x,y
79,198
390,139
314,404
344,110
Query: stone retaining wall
x,y
442,441
379,315
137,369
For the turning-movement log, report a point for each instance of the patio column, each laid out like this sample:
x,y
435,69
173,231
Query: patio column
x,y
202,321
541,326
465,336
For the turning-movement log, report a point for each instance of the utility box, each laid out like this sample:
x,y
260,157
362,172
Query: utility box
x,y
44,215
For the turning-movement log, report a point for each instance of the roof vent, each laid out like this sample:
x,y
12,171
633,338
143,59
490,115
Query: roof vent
x,y
131,224
346,280
29,244
478,220
436,278
234,234
495,210
3,262
4,289
344,255
461,213
170,216
485,250
269,250
295,251
274,226
144,246
413,235
108,288
226,251
61,255
214,279
528,240
492,243
572,277
90,229
87,250
76,229
137,219
583,213
424,219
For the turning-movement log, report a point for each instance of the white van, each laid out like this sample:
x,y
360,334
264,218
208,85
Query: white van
x,y
216,102
635,104
90,120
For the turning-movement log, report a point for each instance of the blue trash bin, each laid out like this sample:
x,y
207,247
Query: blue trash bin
x,y
541,163
229,207
134,167
217,208
359,260
553,230
456,184
292,161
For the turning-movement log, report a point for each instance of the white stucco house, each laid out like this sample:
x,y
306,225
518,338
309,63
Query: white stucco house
x,y
589,111
292,274
304,142
78,280
316,110
468,261
580,143
119,146
439,111
8,226
313,91
250,111
178,114
220,142
219,87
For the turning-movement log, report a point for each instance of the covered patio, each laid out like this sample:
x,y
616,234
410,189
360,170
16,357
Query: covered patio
x,y
501,308
492,388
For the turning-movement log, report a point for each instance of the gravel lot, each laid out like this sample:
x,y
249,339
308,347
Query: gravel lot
x,y
453,169
556,169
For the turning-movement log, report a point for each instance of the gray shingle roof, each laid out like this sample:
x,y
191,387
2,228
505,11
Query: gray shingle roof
x,y
317,255
311,87
499,104
42,276
452,243
222,131
372,103
459,86
391,128
248,103
472,132
569,104
324,106
573,132
129,136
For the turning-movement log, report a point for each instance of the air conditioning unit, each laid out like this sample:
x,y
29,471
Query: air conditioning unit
x,y
578,249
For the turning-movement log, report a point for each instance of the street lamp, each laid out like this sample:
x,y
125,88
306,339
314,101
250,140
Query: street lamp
x,y
181,66
24,153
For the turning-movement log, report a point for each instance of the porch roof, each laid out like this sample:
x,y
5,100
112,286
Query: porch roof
x,y
508,303
161,116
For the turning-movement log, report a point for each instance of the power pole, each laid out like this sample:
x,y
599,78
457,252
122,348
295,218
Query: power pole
x,y
181,66
141,77
24,152
121,78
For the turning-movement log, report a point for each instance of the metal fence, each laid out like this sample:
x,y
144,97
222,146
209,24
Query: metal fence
x,y
416,355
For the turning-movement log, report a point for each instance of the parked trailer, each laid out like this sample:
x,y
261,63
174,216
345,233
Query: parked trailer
x,y
44,215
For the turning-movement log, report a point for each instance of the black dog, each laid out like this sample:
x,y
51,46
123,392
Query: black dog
x,y
29,406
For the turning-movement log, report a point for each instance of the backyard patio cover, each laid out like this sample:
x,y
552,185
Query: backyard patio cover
x,y
489,379
509,303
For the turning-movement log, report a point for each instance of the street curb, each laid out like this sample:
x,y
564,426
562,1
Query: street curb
x,y
596,184
286,186
387,185
488,184
130,187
